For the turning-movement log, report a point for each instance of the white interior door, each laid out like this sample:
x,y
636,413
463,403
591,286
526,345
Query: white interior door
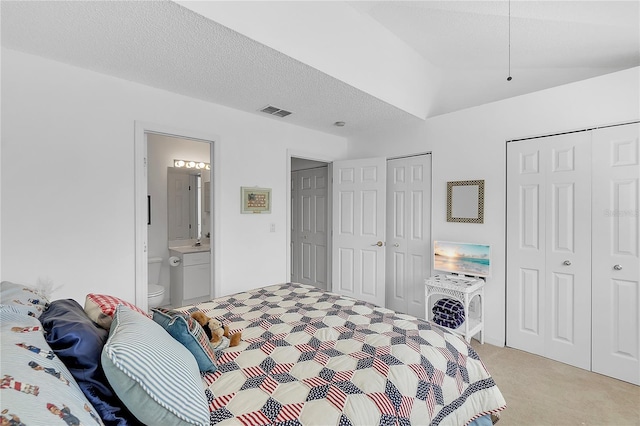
x,y
310,235
549,247
359,229
616,285
408,259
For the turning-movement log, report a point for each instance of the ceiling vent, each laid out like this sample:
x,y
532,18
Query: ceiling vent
x,y
275,111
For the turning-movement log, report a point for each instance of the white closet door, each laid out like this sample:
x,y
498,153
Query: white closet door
x,y
616,289
359,189
568,249
408,260
549,247
526,245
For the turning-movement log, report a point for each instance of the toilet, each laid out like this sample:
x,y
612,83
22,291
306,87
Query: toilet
x,y
156,291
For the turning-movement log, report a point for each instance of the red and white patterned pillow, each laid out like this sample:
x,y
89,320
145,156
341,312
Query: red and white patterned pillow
x,y
101,308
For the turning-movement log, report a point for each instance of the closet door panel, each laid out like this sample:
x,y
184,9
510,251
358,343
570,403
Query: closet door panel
x,y
529,289
568,249
530,217
419,233
525,246
616,246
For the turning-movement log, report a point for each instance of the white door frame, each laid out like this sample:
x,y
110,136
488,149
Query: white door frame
x,y
315,157
140,202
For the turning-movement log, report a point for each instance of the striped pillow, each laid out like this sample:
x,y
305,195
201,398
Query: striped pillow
x,y
155,376
190,333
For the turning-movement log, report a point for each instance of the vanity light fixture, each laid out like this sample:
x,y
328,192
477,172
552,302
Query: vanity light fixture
x,y
189,164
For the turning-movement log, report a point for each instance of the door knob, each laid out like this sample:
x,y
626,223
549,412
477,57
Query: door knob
x,y
396,245
617,267
567,263
379,244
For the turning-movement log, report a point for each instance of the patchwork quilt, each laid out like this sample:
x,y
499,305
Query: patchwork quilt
x,y
316,358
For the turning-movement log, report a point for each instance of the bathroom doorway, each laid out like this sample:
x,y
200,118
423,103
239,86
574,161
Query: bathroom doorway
x,y
178,171
161,203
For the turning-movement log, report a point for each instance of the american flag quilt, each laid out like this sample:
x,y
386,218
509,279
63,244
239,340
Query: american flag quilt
x,y
310,357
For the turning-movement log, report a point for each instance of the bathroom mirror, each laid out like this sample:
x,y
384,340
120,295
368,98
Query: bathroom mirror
x,y
184,203
465,201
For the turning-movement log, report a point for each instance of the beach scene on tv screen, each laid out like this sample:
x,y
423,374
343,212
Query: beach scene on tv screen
x,y
462,258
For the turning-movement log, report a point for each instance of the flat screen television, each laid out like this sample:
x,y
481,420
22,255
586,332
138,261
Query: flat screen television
x,y
462,258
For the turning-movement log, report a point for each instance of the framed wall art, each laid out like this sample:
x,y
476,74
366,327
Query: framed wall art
x,y
255,200
465,201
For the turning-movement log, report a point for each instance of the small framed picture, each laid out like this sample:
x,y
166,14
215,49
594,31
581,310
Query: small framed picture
x,y
255,200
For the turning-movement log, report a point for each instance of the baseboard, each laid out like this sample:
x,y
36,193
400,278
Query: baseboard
x,y
494,342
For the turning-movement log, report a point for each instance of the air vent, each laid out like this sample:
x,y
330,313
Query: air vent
x,y
275,111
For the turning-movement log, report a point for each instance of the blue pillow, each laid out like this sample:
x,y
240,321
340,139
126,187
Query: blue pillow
x,y
190,333
78,342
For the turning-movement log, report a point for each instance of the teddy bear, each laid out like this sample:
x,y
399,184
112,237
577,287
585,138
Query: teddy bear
x,y
218,333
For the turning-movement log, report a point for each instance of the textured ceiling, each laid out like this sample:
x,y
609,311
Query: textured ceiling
x,y
164,45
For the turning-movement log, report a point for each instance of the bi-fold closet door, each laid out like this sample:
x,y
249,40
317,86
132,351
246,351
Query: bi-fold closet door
x,y
572,249
549,247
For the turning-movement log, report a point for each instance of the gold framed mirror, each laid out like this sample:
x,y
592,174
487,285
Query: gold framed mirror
x,y
465,201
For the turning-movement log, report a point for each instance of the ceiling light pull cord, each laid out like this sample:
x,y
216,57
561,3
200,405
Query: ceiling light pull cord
x,y
509,76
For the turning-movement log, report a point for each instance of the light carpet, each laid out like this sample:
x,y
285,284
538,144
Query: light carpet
x,y
540,391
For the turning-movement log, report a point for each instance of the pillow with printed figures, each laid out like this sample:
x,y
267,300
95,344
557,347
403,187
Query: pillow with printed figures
x,y
22,299
37,388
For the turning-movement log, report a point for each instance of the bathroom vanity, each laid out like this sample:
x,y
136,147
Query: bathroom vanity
x,y
191,277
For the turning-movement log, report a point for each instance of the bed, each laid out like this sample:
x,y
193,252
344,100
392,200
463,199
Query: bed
x,y
307,357
316,357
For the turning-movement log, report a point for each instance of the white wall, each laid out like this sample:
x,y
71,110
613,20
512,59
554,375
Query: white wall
x,y
471,144
68,177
